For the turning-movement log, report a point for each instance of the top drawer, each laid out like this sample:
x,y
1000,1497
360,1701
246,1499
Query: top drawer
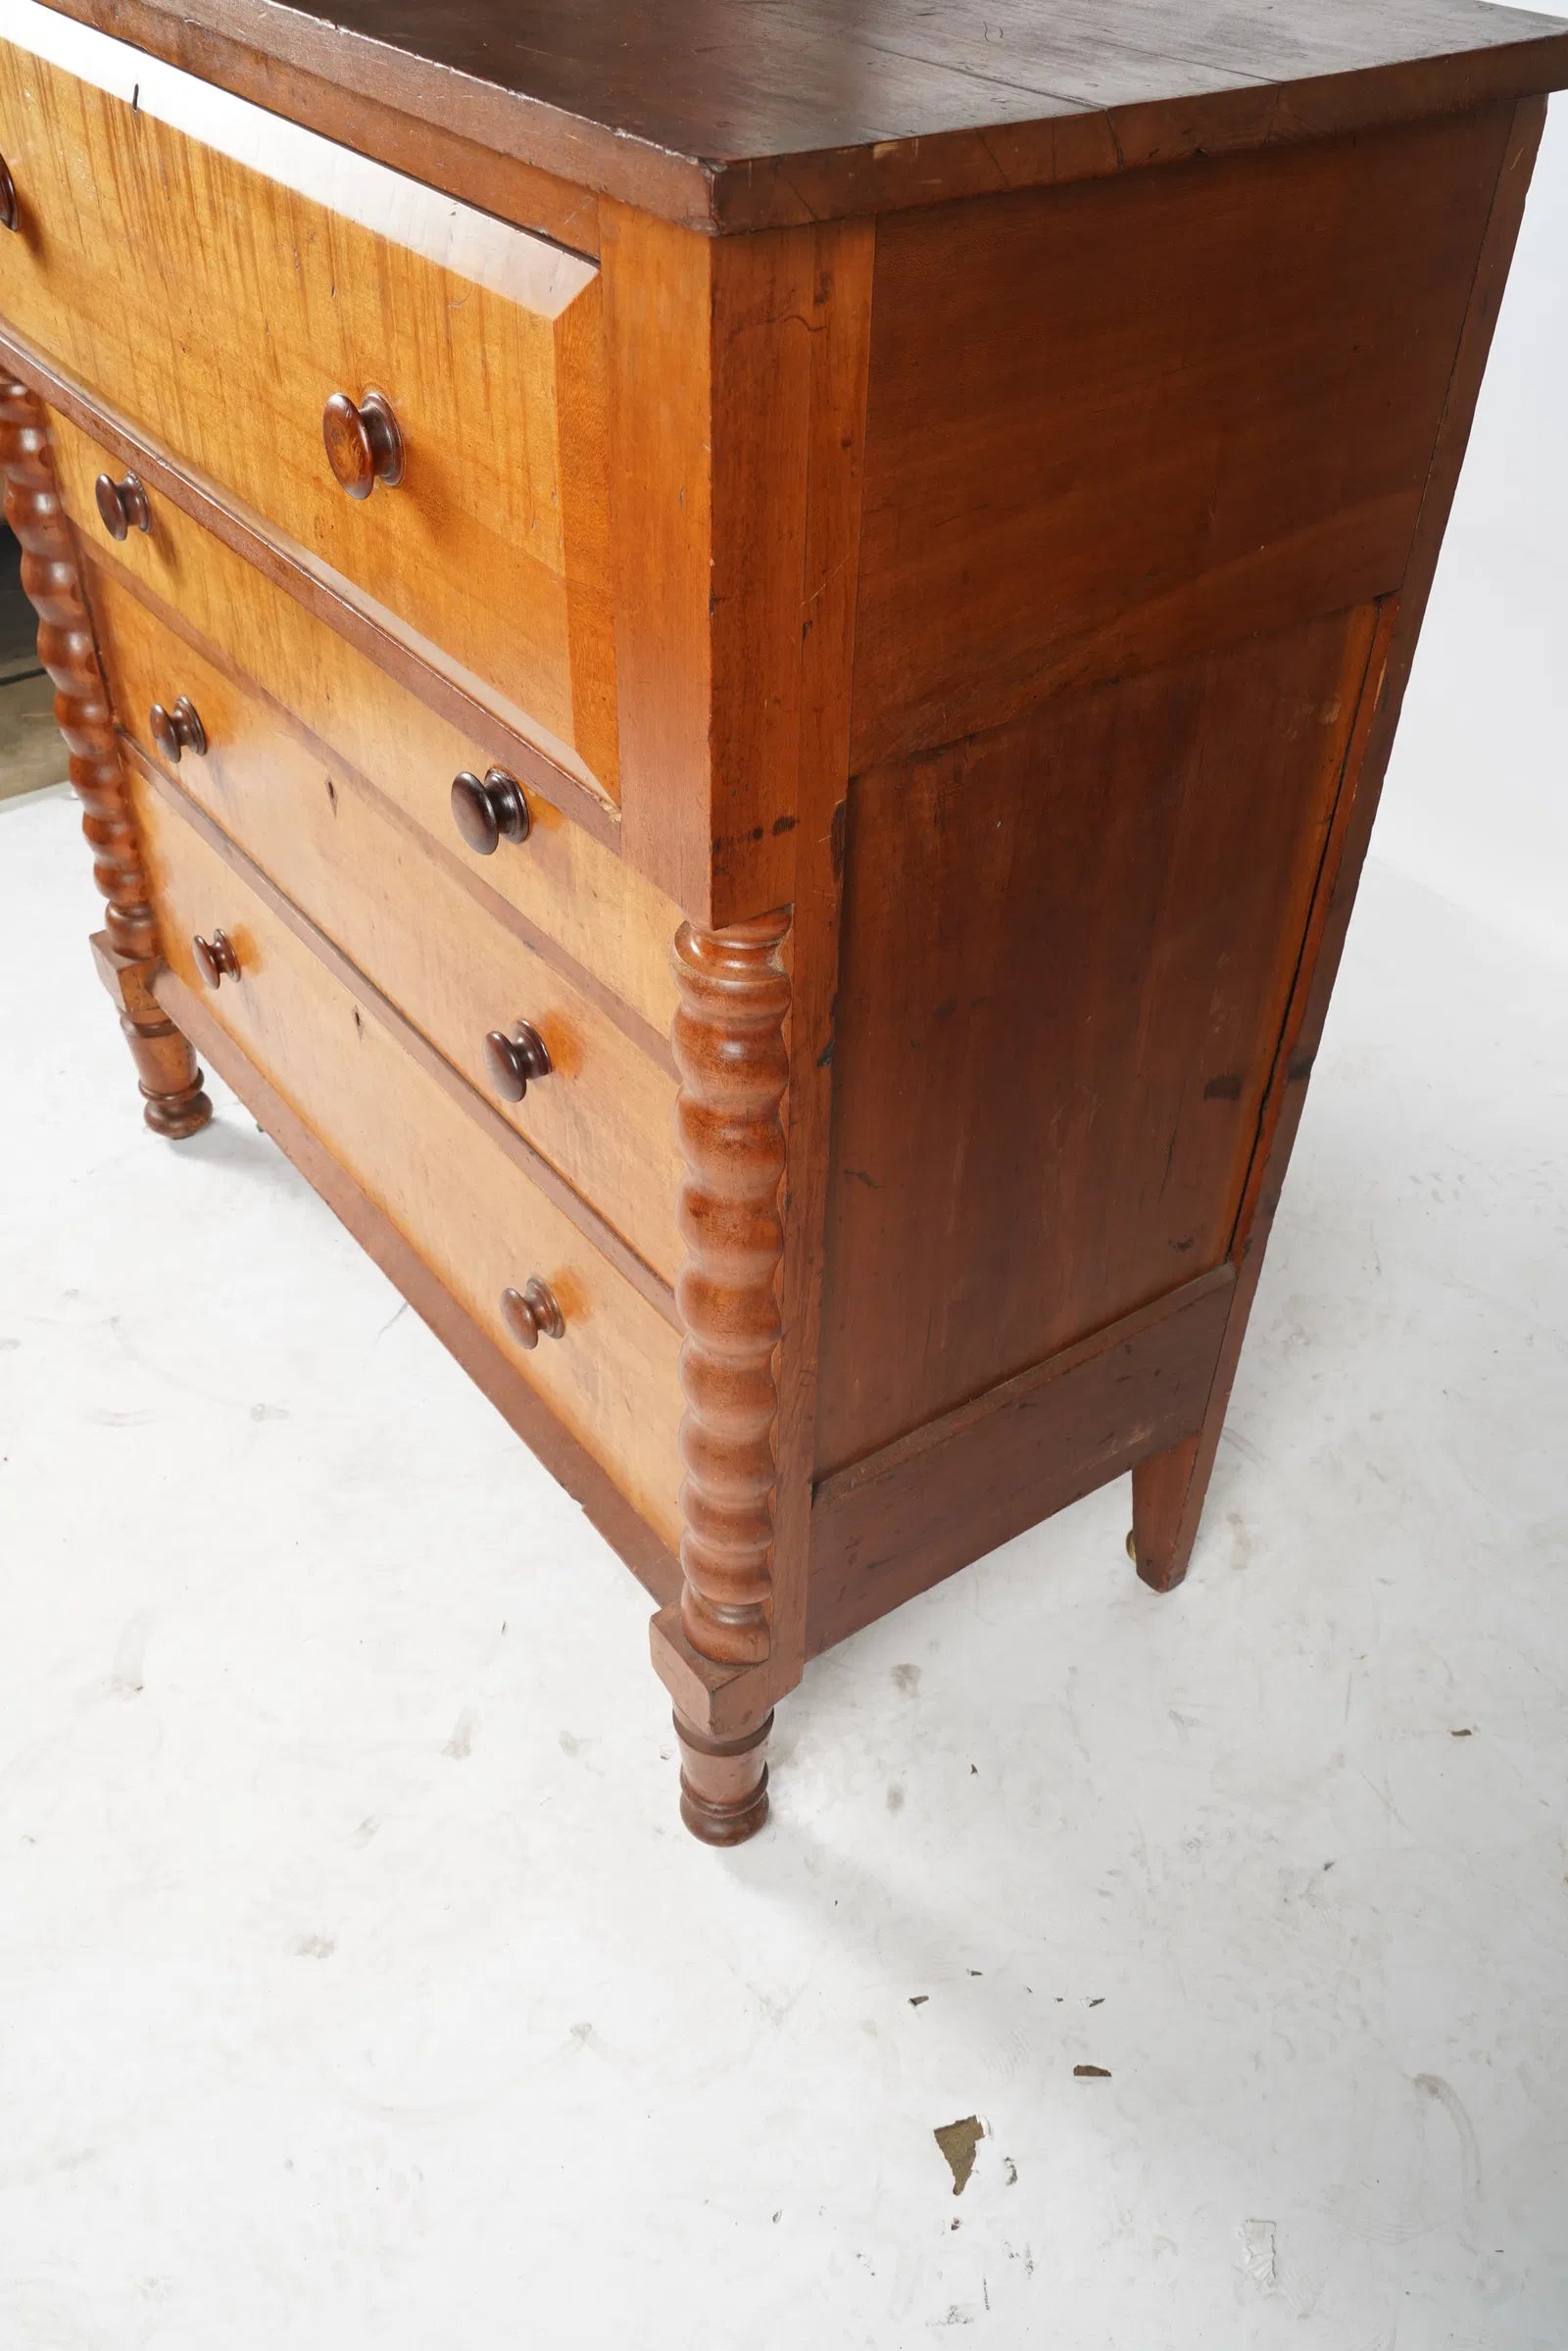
x,y
217,274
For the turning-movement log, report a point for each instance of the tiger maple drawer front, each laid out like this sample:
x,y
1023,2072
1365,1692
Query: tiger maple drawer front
x,y
219,275
562,881
602,1112
612,1376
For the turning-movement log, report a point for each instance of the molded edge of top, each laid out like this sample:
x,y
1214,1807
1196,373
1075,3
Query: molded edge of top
x,y
238,44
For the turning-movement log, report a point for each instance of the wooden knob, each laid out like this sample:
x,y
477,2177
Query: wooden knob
x,y
216,959
488,813
177,730
532,1313
364,445
512,1059
122,505
9,214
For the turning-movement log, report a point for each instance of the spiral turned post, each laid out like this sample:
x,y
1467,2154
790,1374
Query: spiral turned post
x,y
731,1053
172,1083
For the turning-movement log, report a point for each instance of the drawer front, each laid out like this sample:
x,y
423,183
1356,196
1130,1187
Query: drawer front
x,y
562,881
403,913
612,1377
217,274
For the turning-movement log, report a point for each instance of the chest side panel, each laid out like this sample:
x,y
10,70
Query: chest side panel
x,y
1142,462
1114,424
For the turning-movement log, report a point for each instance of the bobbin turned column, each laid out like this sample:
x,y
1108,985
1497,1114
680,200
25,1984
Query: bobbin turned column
x,y
730,1049
128,947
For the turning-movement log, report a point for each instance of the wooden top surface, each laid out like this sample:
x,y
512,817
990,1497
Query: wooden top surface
x,y
745,113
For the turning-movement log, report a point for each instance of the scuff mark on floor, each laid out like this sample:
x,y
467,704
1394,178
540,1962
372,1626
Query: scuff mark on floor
x,y
127,1675
1259,2260
460,1747
1448,2097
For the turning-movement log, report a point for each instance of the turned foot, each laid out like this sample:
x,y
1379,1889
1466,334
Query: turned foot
x,y
723,1782
126,949
176,1103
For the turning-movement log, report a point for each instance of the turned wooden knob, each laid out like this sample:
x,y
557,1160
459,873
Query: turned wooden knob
x,y
512,1058
531,1313
489,811
122,505
8,216
364,445
177,730
216,959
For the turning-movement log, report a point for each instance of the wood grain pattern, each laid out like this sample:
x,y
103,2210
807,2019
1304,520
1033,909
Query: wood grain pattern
x,y
613,1380
1166,1525
453,693
174,1099
1161,415
723,1782
900,1521
604,1119
569,890
492,1368
840,355
411,143
1045,1110
714,351
496,546
174,1105
722,1711
975,600
476,1108
744,116
1160,1488
734,1065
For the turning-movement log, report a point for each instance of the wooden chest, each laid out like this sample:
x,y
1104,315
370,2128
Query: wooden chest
x,y
736,670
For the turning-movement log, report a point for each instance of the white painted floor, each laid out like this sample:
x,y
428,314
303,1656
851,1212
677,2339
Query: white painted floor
x,y
358,1986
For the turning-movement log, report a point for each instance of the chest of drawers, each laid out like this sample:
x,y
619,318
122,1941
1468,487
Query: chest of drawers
x,y
737,674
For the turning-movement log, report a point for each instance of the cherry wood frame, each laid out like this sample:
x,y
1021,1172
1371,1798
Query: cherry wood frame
x,y
753,356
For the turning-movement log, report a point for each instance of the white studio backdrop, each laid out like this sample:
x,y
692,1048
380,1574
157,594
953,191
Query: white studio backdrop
x,y
1476,804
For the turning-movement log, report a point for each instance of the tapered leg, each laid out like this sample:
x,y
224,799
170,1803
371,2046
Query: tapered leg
x,y
1167,1505
730,1051
170,1081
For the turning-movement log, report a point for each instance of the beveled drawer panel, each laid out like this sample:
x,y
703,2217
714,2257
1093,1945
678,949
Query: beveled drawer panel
x,y
217,274
580,893
611,1378
604,1116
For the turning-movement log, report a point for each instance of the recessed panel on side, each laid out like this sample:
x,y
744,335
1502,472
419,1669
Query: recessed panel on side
x,y
1066,955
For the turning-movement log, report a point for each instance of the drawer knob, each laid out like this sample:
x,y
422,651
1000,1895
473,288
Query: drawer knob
x,y
122,505
216,959
489,811
10,217
532,1313
364,445
177,730
513,1059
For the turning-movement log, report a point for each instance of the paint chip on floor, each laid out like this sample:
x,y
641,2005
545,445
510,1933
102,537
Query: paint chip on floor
x,y
958,2141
